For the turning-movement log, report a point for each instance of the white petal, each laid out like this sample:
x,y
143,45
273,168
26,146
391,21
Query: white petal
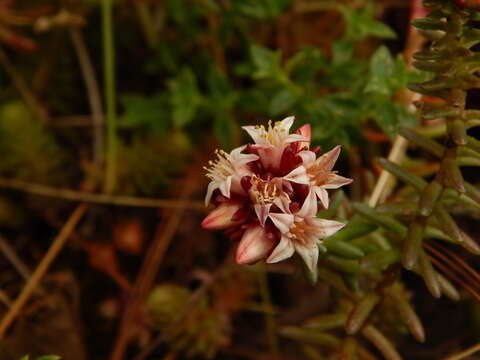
x,y
286,123
335,181
235,153
283,203
309,255
262,212
225,186
283,222
254,246
309,207
211,188
298,175
308,157
326,227
282,251
254,133
322,196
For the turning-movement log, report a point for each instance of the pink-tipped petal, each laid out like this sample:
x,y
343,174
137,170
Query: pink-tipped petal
x,y
221,217
283,222
327,160
298,175
309,207
255,245
306,131
282,251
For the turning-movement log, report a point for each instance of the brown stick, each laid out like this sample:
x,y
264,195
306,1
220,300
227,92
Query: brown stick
x,y
74,195
42,268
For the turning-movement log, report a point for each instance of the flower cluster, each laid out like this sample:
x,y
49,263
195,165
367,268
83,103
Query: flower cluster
x,y
267,194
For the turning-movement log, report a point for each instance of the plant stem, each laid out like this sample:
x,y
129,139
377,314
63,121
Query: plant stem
x,y
109,78
267,303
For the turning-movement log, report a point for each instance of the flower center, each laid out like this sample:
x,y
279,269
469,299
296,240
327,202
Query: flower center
x,y
272,135
318,174
263,192
300,231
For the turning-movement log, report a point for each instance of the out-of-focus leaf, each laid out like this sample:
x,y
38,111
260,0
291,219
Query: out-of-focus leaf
x,y
223,129
389,116
147,112
185,98
361,23
342,51
282,101
266,61
261,9
305,64
381,69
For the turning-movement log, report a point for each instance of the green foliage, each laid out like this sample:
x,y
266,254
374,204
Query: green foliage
x,y
145,112
44,357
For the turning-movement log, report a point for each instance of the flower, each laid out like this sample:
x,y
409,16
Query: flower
x,y
225,173
320,174
271,142
302,232
265,195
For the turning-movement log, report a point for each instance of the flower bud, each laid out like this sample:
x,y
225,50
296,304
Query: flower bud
x,y
256,244
222,216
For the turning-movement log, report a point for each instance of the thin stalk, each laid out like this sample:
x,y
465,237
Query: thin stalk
x,y
109,86
267,304
93,93
42,268
146,22
464,354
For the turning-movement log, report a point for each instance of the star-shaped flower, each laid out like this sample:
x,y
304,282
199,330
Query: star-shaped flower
x,y
227,171
271,142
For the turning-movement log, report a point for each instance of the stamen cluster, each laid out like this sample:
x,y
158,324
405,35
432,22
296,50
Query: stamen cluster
x,y
266,194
